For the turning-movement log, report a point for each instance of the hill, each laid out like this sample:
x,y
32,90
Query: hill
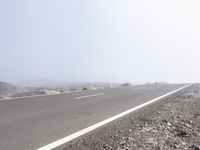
x,y
6,88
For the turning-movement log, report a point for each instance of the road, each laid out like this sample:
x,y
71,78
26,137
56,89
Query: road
x,y
30,123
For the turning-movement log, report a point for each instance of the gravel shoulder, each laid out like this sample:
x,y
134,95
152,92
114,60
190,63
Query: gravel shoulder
x,y
171,123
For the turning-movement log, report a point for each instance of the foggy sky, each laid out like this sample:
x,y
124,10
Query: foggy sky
x,y
100,40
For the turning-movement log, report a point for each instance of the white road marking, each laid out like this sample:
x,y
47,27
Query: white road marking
x,y
86,96
139,88
97,125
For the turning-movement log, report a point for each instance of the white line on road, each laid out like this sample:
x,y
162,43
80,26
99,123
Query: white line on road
x,y
89,96
139,88
97,125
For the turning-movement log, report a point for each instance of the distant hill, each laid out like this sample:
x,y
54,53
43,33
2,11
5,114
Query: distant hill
x,y
7,89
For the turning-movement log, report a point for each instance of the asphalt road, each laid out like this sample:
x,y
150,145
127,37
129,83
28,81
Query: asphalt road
x,y
30,123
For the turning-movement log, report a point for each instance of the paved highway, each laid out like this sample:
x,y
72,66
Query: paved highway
x,y
31,123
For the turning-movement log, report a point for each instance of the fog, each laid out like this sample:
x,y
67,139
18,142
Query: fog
x,y
100,40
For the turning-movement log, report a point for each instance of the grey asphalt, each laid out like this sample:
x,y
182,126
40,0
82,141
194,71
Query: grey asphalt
x,y
30,123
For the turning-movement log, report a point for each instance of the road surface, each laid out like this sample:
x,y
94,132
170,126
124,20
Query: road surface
x,y
31,123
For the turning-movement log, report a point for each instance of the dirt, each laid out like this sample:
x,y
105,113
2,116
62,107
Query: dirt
x,y
172,123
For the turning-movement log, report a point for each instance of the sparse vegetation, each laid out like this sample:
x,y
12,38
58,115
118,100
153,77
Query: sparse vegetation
x,y
127,84
8,91
51,92
89,88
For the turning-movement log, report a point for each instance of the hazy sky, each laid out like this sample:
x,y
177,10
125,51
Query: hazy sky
x,y
100,40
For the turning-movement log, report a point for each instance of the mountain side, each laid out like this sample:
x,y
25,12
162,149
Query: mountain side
x,y
7,88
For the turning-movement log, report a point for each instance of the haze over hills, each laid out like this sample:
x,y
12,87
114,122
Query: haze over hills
x,y
49,87
6,88
44,87
58,84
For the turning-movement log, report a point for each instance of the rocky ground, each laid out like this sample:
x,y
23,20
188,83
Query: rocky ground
x,y
170,124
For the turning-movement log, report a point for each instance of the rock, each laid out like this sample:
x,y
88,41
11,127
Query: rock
x,y
182,133
122,143
169,124
187,125
129,139
150,140
164,120
195,147
183,143
107,147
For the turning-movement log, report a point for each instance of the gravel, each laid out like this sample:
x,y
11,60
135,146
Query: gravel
x,y
172,123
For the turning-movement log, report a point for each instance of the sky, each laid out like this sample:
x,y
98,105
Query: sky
x,y
100,40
